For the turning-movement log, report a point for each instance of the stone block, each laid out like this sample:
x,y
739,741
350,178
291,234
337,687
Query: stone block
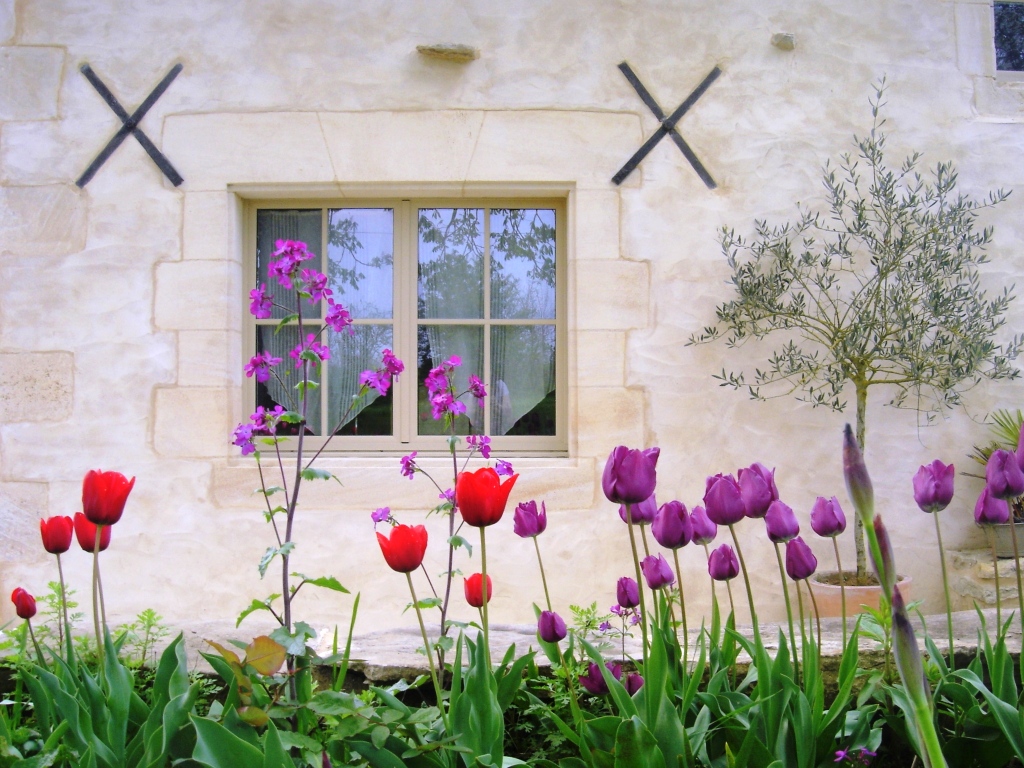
x,y
192,422
205,359
611,295
36,386
8,20
609,416
600,358
205,233
974,51
21,507
197,295
38,221
29,82
596,225
213,150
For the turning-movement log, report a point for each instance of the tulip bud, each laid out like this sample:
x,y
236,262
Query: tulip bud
x,y
404,551
630,475
474,589
991,511
551,627
594,682
933,486
527,522
908,655
657,571
723,500
672,528
104,495
633,683
24,603
723,565
628,592
781,523
1003,475
641,513
85,533
885,570
858,482
57,532
704,531
800,561
827,518
757,487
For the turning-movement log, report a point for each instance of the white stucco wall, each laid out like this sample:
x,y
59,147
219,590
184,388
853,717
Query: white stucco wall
x,y
121,304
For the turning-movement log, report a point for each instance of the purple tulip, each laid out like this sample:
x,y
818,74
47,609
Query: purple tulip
x,y
1020,448
550,627
633,683
757,487
781,523
800,561
657,572
723,500
723,565
933,486
629,475
641,513
908,655
827,518
672,527
1003,475
991,511
527,522
627,592
858,481
704,531
594,682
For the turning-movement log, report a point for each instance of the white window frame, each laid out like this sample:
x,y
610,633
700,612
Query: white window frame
x,y
404,319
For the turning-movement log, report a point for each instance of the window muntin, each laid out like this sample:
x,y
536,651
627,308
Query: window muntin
x,y
481,279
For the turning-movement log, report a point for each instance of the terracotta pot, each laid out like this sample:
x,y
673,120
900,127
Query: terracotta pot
x,y
829,596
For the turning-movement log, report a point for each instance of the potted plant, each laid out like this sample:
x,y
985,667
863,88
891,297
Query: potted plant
x,y
1005,429
879,291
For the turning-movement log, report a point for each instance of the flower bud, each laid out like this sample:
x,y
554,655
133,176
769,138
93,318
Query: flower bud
x,y
933,486
24,603
657,571
57,532
1003,475
885,570
800,561
630,475
633,683
85,534
474,589
641,513
858,482
594,682
827,518
991,511
550,627
704,530
757,487
780,522
723,565
627,592
672,528
527,522
723,500
908,655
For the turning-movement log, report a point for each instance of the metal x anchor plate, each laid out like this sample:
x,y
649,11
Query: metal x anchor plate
x,y
130,125
667,127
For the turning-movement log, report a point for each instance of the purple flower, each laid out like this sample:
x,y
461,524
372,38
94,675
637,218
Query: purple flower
x,y
594,682
320,350
1003,475
476,388
1020,448
260,365
933,486
482,443
409,465
381,515
704,531
503,468
243,438
260,303
723,565
265,422
827,518
657,572
633,683
289,254
991,511
378,380
627,593
391,364
527,521
630,475
723,500
780,522
315,283
551,627
757,488
338,318
642,513
604,626
447,495
800,561
436,381
672,527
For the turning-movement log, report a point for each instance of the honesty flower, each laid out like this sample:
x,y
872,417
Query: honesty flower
x,y
476,387
503,468
320,350
260,365
378,380
391,364
338,318
260,303
381,515
409,465
315,284
481,443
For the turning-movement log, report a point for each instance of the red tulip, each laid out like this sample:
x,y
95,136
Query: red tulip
x,y
85,532
57,533
475,592
481,496
405,549
104,495
24,603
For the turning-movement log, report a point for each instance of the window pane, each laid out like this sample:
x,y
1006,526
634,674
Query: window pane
x,y
1009,24
451,265
522,263
435,345
350,356
360,246
522,391
280,389
272,226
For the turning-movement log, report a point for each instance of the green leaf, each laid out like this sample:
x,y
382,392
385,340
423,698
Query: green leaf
x,y
285,321
264,655
295,643
312,473
256,605
217,747
458,541
327,582
270,491
271,553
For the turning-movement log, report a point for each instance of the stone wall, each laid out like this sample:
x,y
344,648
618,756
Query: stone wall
x,y
121,304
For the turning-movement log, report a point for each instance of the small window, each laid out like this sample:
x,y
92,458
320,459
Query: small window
x,y
1009,36
482,280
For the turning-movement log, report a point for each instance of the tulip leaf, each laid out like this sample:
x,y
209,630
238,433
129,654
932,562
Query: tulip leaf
x,y
312,473
458,541
271,553
257,605
327,582
264,655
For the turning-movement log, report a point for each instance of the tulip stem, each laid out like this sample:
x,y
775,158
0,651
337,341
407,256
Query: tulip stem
x,y
945,588
789,613
803,635
39,650
429,655
95,591
732,604
842,587
63,602
746,582
995,571
639,580
1016,570
714,592
543,579
817,616
682,610
483,589
643,536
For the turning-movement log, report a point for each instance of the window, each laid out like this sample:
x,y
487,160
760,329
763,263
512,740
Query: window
x,y
1008,19
430,279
